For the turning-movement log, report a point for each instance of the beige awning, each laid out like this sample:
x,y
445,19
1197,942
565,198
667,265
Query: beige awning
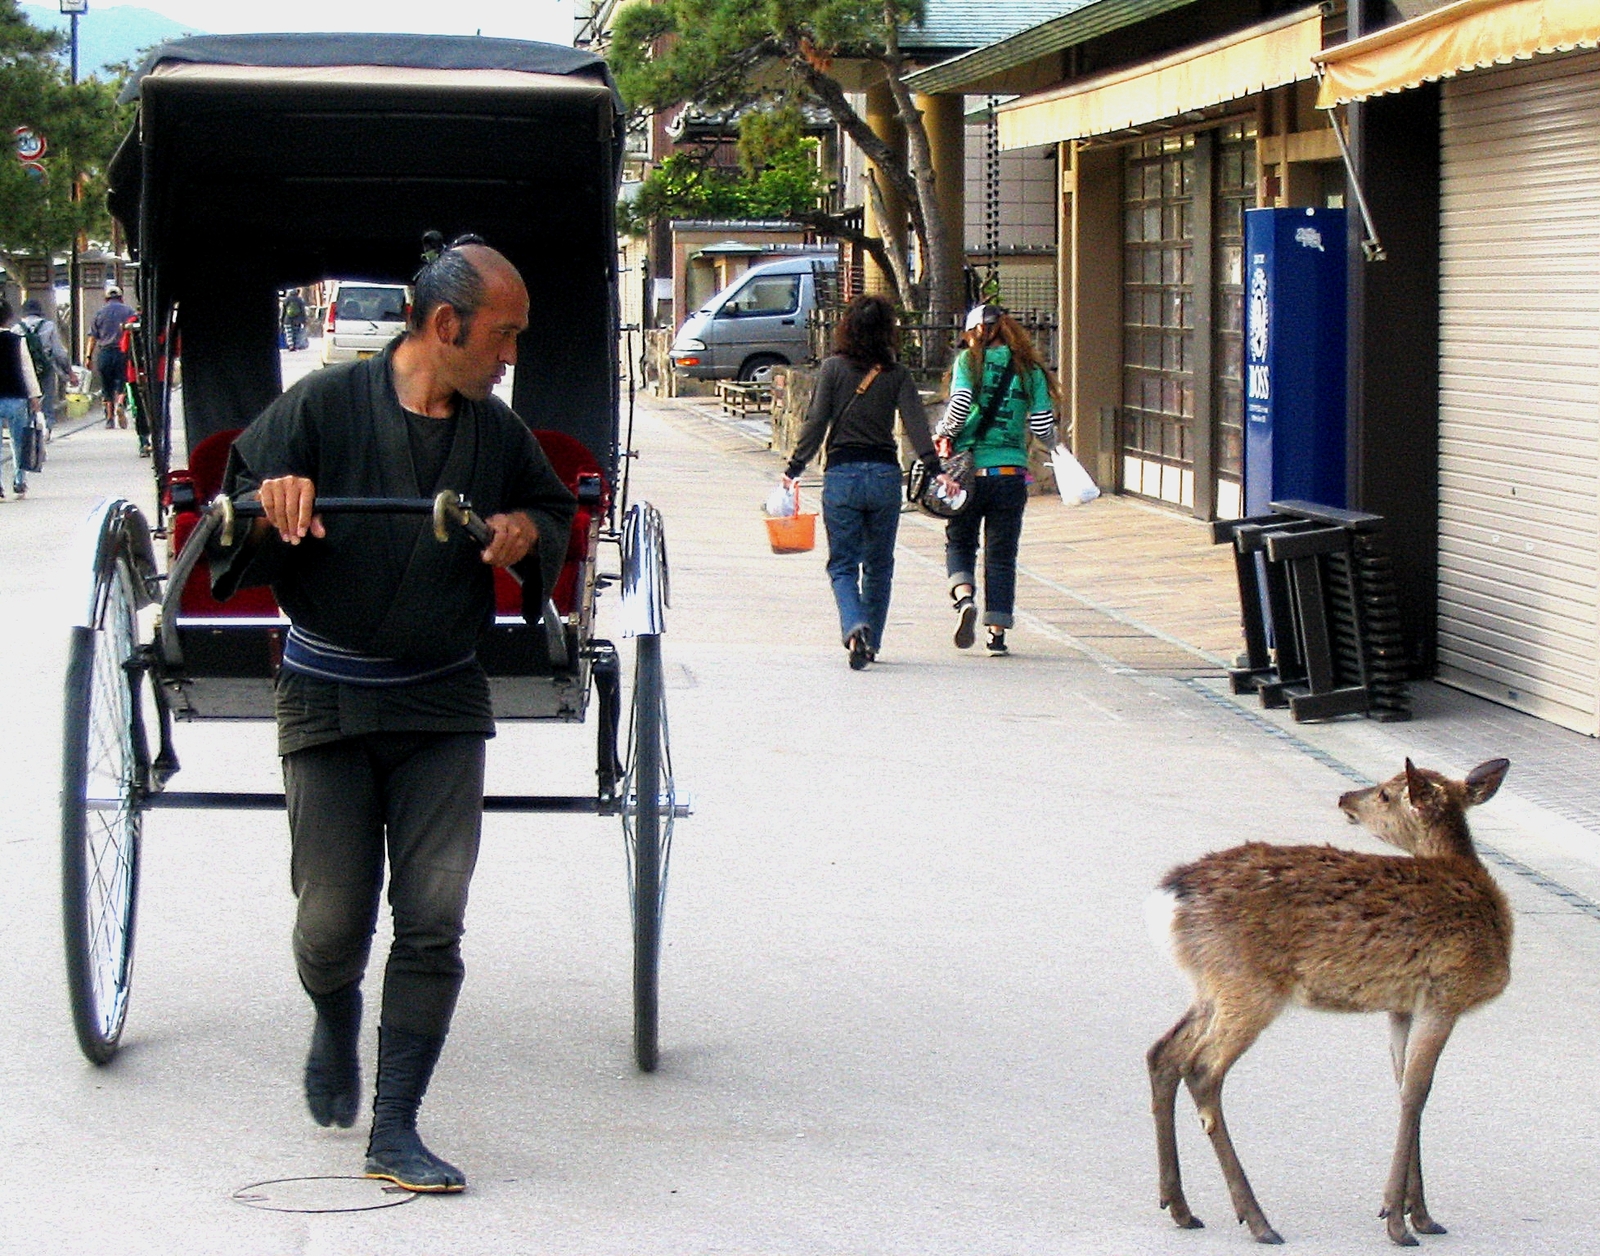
x,y
1242,64
1467,35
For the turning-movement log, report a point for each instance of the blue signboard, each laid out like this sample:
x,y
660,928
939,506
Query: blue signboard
x,y
1294,440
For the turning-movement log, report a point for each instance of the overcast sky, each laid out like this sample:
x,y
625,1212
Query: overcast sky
x,y
547,20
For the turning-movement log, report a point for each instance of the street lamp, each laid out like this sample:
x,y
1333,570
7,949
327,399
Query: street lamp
x,y
74,9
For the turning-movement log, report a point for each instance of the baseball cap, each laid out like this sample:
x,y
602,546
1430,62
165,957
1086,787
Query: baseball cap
x,y
987,315
113,291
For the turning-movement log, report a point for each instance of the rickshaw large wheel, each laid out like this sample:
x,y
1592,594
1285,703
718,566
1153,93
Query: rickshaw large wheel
x,y
648,811
104,763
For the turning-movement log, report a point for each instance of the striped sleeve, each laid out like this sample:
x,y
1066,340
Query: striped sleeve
x,y
1042,415
955,414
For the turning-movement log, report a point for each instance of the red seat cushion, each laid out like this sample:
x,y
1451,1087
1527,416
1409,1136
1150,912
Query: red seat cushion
x,y
571,460
207,462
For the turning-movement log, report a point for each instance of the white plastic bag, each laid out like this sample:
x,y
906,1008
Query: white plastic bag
x,y
783,503
1072,481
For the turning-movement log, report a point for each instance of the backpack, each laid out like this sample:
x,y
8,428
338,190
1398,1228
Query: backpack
x,y
42,365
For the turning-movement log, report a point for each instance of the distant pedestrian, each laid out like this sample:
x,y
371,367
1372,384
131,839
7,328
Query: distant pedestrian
x,y
51,362
105,350
858,391
999,392
20,398
294,321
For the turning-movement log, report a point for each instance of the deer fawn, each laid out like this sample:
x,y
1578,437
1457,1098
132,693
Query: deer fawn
x,y
1256,927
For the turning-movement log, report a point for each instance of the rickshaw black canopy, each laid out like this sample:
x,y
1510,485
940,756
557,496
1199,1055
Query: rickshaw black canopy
x,y
261,162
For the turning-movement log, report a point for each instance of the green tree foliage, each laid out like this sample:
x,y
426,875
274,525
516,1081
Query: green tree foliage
x,y
737,54
775,181
81,124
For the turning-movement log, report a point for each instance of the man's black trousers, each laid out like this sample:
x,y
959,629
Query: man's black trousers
x,y
417,798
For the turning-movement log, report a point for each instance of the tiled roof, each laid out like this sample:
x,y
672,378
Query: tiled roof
x,y
956,25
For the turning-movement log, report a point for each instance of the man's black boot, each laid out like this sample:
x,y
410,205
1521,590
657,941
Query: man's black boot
x,y
405,1064
333,1066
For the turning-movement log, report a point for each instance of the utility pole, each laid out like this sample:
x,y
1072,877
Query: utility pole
x,y
75,9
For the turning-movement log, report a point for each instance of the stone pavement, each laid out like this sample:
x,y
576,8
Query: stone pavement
x,y
1142,590
907,987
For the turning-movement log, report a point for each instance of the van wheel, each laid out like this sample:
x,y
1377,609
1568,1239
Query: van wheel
x,y
758,370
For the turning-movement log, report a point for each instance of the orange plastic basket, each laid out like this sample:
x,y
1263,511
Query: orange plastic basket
x,y
794,534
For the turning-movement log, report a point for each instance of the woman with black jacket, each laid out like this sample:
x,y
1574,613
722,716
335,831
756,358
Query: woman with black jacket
x,y
858,392
20,395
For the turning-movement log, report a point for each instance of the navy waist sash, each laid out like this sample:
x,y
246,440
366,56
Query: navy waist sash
x,y
311,655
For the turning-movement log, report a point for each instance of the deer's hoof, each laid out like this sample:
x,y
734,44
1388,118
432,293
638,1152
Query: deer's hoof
x,y
1425,1224
1269,1235
1181,1216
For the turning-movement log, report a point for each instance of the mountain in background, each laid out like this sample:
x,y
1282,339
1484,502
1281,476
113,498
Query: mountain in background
x,y
109,36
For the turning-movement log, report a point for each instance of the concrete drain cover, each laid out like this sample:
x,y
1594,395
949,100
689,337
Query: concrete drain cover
x,y
322,1194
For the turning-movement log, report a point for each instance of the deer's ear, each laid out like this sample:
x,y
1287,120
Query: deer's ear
x,y
1416,786
1484,780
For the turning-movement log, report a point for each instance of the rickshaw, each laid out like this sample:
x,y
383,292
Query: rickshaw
x,y
265,162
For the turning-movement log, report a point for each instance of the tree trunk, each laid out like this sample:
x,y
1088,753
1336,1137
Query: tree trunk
x,y
941,287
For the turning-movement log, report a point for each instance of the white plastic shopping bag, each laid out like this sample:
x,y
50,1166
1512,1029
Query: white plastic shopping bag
x,y
1072,481
783,503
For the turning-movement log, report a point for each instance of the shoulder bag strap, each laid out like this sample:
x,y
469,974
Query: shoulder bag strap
x,y
992,407
867,381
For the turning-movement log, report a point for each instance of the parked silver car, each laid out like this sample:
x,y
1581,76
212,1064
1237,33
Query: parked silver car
x,y
755,323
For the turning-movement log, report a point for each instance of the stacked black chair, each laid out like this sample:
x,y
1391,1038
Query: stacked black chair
x,y
1320,613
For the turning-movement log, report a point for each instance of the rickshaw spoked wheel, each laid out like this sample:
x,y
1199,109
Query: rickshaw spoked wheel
x,y
648,810
104,764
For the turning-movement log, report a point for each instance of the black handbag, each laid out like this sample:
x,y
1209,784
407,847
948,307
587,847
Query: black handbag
x,y
922,489
32,453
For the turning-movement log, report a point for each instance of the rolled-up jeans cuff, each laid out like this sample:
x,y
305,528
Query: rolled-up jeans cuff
x,y
997,619
959,578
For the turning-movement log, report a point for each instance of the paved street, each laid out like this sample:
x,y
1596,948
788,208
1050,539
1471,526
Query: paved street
x,y
907,988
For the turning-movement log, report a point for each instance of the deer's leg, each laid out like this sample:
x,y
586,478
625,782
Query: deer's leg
x,y
1166,1061
1431,1031
1416,1208
1399,1033
1232,1029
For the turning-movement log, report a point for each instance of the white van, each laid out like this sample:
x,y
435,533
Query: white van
x,y
755,323
362,319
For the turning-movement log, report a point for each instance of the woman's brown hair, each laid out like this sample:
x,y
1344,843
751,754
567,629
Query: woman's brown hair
x,y
1007,331
868,333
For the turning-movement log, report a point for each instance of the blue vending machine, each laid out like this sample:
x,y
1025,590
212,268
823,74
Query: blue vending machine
x,y
1294,358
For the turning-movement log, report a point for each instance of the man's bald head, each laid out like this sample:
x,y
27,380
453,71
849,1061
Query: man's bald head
x,y
460,277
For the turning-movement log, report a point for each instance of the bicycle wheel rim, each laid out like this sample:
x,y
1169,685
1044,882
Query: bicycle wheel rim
x,y
101,821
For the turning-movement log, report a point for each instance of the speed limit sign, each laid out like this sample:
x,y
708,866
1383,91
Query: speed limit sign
x,y
30,144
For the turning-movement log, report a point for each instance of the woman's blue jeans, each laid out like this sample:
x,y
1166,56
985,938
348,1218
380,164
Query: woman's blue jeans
x,y
861,510
997,505
14,414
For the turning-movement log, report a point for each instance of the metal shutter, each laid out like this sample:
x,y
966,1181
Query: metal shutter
x,y
1519,388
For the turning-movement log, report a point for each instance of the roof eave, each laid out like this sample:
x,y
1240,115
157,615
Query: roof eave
x,y
1028,60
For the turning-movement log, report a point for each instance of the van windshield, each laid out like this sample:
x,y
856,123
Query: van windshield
x,y
767,294
378,305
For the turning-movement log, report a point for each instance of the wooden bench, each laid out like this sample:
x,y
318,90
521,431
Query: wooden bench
x,y
744,398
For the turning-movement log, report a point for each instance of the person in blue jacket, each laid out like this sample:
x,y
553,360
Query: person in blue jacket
x,y
999,356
